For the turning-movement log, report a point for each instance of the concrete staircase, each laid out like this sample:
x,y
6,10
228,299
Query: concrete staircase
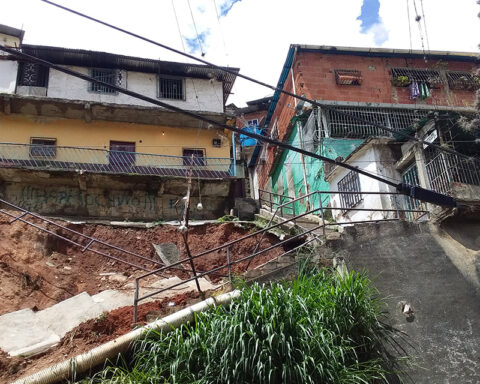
x,y
26,333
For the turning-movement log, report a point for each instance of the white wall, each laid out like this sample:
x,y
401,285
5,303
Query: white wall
x,y
371,160
8,76
210,92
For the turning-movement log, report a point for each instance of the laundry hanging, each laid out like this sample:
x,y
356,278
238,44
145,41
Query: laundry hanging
x,y
414,90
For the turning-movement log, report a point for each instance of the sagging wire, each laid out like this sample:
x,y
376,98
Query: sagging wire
x,y
235,72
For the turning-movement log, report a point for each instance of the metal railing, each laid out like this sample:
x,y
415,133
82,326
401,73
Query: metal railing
x,y
400,213
445,169
53,157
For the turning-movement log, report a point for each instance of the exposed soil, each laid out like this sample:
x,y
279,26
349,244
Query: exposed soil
x,y
90,334
38,269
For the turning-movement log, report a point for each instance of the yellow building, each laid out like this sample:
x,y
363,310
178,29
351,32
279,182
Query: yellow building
x,y
48,118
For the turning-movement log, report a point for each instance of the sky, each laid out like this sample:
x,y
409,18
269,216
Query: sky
x,y
253,35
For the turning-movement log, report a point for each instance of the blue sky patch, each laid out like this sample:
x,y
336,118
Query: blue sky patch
x,y
371,21
193,44
369,15
227,6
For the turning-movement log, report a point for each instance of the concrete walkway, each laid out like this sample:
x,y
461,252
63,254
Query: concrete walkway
x,y
26,333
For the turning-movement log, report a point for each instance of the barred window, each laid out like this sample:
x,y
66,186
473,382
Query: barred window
x,y
350,183
106,75
32,75
348,77
403,77
43,147
463,81
171,88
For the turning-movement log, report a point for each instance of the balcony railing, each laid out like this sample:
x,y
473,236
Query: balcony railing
x,y
445,169
58,158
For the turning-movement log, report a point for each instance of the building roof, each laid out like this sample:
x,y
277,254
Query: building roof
x,y
80,57
370,52
6,30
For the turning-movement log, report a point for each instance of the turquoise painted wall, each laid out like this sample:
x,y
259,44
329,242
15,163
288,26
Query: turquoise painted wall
x,y
287,176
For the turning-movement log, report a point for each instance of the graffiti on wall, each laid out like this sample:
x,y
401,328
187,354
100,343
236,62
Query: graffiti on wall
x,y
33,197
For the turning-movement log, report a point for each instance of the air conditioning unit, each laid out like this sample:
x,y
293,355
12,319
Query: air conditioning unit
x,y
217,143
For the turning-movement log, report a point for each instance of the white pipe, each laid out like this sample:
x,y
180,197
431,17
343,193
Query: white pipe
x,y
97,356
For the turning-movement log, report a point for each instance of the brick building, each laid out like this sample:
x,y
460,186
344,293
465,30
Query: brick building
x,y
400,89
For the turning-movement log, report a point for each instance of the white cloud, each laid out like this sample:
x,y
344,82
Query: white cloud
x,y
255,34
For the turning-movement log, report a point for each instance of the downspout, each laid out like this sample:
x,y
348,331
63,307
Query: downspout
x,y
68,369
234,153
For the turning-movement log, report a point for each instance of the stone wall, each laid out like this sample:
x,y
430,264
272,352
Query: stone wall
x,y
111,196
436,271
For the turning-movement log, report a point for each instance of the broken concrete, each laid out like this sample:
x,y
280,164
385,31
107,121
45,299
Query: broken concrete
x,y
167,252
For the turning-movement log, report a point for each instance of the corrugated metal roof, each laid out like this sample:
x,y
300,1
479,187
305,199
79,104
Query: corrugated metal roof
x,y
80,57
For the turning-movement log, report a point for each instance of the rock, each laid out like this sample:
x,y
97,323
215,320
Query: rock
x,y
167,252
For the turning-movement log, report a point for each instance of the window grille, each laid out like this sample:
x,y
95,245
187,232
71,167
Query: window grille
x,y
193,157
410,176
463,80
106,75
348,77
170,88
347,126
32,75
42,147
350,183
402,77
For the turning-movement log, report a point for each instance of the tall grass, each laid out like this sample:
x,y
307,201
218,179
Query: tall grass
x,y
319,328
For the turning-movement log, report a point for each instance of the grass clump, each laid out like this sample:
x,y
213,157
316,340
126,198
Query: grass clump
x,y
319,328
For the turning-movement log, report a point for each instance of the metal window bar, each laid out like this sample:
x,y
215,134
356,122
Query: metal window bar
x,y
343,126
410,176
13,155
107,76
33,75
171,88
445,169
429,76
348,77
463,80
350,183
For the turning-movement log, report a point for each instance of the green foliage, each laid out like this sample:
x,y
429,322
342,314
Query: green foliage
x,y
227,219
318,328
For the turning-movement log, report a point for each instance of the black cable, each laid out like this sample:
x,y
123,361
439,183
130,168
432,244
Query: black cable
x,y
409,190
235,73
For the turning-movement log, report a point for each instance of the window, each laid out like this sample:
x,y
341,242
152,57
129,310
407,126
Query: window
x,y
217,143
350,183
106,75
252,123
32,75
171,88
122,153
43,147
193,156
348,77
463,80
403,77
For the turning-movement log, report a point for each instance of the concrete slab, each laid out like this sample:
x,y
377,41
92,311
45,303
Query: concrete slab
x,y
21,329
167,252
166,283
36,348
111,299
68,314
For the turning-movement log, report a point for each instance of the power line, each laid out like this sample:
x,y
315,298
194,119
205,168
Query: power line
x,y
233,72
409,26
425,25
196,31
413,191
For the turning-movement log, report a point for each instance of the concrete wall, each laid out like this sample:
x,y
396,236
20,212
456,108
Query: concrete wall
x,y
8,76
112,197
210,92
377,160
437,272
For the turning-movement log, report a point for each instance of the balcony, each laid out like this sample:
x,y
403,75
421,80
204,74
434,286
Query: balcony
x,y
60,158
444,170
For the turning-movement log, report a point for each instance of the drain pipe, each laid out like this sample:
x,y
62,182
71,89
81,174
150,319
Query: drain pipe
x,y
97,356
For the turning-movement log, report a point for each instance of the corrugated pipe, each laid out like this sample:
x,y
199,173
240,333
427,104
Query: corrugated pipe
x,y
97,356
